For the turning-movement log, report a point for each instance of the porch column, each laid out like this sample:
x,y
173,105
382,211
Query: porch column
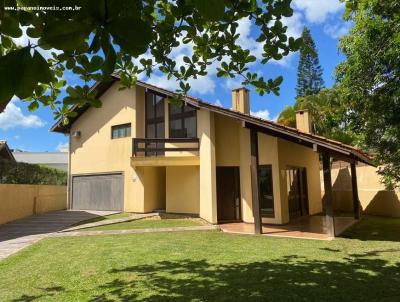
x,y
326,165
354,188
255,182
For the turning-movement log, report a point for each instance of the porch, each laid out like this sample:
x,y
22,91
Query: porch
x,y
306,227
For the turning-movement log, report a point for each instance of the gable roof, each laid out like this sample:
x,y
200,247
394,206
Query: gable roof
x,y
338,149
5,151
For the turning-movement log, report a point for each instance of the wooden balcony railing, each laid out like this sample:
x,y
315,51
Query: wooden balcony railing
x,y
156,146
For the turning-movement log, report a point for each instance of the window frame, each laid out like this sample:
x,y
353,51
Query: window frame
x,y
264,213
119,127
181,116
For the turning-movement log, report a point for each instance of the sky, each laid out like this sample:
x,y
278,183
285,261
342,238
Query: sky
x,y
29,131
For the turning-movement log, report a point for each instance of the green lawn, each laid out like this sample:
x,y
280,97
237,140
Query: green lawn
x,y
206,266
100,218
146,223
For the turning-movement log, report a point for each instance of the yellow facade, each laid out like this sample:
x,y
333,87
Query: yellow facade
x,y
184,182
19,201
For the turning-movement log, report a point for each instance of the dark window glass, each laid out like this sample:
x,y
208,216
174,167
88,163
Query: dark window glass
x,y
119,131
266,191
155,126
182,121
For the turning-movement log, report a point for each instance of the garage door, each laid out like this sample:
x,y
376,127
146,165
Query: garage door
x,y
103,192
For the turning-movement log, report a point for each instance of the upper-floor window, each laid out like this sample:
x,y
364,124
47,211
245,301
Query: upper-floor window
x,y
182,121
119,131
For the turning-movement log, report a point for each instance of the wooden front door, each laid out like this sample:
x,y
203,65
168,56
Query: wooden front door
x,y
228,194
297,191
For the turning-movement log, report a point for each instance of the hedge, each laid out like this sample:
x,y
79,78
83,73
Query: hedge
x,y
22,173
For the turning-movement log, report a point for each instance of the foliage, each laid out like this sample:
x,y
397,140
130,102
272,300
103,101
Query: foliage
x,y
22,173
309,71
329,117
369,79
132,37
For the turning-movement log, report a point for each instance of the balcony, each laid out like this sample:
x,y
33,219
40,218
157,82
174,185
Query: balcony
x,y
165,151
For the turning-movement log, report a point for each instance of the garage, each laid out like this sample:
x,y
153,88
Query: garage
x,y
102,192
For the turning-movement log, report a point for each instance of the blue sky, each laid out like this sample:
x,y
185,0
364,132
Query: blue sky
x,y
30,131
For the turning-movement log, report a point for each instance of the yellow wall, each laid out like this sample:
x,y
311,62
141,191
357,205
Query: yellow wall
x,y
227,141
183,189
291,154
373,196
18,201
154,189
95,151
208,190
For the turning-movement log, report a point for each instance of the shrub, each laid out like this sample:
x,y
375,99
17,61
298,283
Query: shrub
x,y
22,173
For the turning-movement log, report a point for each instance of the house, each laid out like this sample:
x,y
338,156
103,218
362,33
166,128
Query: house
x,y
138,153
55,160
5,152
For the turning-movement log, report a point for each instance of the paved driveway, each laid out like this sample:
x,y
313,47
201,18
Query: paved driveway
x,y
21,233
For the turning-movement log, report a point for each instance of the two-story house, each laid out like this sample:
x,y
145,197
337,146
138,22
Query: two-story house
x,y
139,153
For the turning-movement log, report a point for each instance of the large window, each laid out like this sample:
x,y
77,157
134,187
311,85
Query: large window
x,y
119,131
266,191
182,121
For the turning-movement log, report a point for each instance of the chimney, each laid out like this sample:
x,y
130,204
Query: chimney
x,y
303,121
241,100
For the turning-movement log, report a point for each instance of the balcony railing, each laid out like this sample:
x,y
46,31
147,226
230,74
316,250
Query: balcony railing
x,y
157,146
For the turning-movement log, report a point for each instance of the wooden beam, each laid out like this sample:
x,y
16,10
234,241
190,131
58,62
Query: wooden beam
x,y
326,164
354,188
255,181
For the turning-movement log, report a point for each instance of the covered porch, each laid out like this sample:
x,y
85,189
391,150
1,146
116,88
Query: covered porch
x,y
307,227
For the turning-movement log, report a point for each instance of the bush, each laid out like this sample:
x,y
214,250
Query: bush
x,y
23,173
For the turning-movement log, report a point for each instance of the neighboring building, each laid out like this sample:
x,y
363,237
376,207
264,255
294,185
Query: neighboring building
x,y
56,160
138,153
5,151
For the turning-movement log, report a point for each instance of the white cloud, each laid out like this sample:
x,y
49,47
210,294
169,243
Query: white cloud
x,y
232,83
62,147
336,31
13,117
264,114
316,11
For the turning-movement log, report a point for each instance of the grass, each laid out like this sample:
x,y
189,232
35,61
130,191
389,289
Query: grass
x,y
146,223
101,218
206,266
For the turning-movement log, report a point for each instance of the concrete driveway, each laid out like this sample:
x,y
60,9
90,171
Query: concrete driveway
x,y
16,235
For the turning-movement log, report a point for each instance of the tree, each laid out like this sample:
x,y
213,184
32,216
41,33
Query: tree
x,y
309,71
369,80
96,38
328,115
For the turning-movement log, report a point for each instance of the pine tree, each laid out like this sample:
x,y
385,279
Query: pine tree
x,y
309,72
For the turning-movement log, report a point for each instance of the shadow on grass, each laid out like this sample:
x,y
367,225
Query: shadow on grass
x,y
46,293
375,228
285,279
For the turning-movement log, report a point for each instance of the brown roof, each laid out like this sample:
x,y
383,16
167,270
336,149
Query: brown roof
x,y
338,149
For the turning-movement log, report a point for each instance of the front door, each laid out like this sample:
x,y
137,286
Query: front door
x,y
297,192
228,194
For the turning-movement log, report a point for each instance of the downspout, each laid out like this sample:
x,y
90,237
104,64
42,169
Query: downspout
x,y
69,177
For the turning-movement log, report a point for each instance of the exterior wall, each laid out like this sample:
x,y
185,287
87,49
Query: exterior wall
x,y
268,155
291,154
183,189
373,196
208,190
18,201
227,141
154,189
95,151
